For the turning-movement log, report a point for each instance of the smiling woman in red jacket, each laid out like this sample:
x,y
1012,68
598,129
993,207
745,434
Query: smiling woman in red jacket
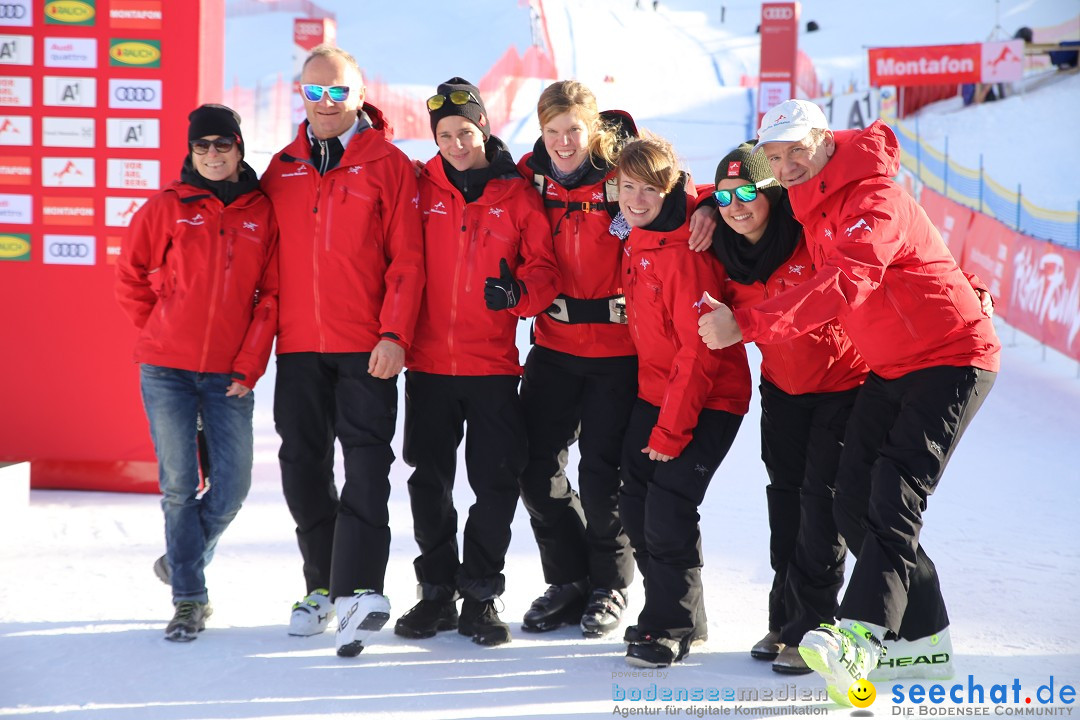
x,y
690,401
206,327
480,217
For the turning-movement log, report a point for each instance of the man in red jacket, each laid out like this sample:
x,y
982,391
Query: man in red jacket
x,y
351,278
884,272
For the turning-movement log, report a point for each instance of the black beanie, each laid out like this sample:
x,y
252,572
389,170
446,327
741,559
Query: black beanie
x,y
473,111
743,162
215,120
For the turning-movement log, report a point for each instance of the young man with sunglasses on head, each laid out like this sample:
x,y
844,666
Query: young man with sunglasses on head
x,y
352,276
882,270
197,274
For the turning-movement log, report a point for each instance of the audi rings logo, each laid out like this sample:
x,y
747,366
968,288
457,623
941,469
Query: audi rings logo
x,y
69,250
777,13
12,11
134,94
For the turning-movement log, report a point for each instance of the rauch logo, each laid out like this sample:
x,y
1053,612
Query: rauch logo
x,y
141,53
69,12
15,247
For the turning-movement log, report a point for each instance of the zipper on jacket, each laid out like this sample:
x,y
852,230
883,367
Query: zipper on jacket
x,y
315,262
216,263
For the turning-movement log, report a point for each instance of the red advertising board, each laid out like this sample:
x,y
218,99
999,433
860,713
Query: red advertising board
x,y
779,53
951,219
94,97
1045,293
986,253
947,64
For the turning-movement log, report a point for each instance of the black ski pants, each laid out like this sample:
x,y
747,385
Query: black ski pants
x,y
659,504
588,400
900,437
802,437
344,541
438,408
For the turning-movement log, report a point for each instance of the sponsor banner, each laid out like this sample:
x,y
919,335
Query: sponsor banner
x,y
67,132
951,219
16,130
1045,292
309,32
130,94
133,132
990,62
133,174
69,250
135,14
1002,61
67,210
69,91
15,246
850,111
15,92
135,53
120,210
16,209
16,13
67,172
16,49
15,170
779,54
987,248
112,248
69,12
67,52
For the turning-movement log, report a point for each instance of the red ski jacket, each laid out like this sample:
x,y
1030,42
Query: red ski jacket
x,y
822,360
352,267
199,279
588,257
456,334
665,282
882,269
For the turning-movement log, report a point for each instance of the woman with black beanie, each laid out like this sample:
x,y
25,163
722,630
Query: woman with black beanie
x,y
197,274
808,387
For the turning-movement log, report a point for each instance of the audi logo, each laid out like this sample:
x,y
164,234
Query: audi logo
x,y
11,11
144,94
777,13
69,250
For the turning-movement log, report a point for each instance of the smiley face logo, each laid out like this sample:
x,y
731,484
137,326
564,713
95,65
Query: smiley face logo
x,y
862,693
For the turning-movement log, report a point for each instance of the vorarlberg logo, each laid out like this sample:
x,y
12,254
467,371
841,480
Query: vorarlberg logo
x,y
15,246
69,12
135,53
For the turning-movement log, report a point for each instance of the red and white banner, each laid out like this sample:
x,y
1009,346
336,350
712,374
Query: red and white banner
x,y
779,54
989,62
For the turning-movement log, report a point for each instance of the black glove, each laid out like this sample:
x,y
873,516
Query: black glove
x,y
502,292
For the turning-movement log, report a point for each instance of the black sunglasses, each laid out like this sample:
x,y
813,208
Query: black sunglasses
x,y
222,145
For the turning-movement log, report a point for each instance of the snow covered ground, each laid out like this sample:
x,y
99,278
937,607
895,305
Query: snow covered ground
x,y
81,613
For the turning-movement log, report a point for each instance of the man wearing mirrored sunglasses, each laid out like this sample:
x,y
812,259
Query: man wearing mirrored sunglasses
x,y
883,271
352,274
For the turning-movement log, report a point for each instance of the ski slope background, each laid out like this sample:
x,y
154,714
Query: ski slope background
x,y
81,613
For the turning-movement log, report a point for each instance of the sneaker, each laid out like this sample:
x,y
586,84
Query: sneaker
x,y
928,657
426,618
768,647
697,637
188,621
790,662
841,655
603,613
559,605
311,615
359,615
161,569
655,652
481,620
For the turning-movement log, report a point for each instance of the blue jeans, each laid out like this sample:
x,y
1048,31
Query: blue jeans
x,y
173,400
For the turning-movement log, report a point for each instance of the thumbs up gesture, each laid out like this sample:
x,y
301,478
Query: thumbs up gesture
x,y
504,291
718,328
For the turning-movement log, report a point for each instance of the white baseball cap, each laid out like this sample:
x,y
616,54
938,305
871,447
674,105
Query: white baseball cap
x,y
790,121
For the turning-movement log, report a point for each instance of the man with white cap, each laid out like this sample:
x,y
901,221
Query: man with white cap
x,y
882,270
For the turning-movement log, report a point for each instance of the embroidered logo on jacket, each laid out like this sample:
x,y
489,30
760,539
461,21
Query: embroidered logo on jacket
x,y
438,208
856,226
598,196
551,190
497,212
645,263
301,171
828,233
197,220
796,269
355,169
248,225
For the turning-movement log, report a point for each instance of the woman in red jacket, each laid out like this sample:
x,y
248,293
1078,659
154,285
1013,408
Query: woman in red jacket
x,y
480,217
197,274
690,401
808,387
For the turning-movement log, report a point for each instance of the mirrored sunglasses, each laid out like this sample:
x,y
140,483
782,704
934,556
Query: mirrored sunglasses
x,y
314,93
457,97
745,193
222,145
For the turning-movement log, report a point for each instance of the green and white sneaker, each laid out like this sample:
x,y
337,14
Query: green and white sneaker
x,y
311,615
927,657
841,655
